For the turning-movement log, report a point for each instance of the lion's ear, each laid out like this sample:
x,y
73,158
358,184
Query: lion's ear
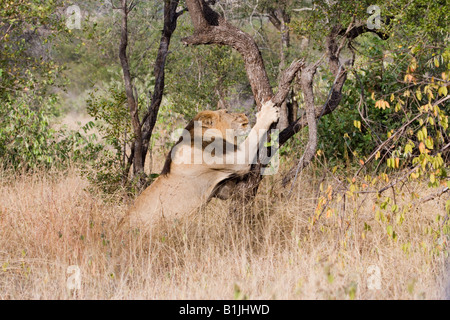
x,y
208,119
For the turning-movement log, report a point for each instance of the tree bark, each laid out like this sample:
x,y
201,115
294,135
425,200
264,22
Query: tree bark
x,y
138,165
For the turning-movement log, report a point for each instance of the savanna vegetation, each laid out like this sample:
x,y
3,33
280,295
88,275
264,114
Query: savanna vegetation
x,y
92,94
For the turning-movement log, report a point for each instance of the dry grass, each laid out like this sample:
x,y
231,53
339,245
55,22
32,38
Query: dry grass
x,y
49,222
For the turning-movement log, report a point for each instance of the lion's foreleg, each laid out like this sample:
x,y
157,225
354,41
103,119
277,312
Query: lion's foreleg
x,y
247,151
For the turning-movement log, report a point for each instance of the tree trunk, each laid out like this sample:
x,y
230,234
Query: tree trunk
x,y
170,24
138,164
143,131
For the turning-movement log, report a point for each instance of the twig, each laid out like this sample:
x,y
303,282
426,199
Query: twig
x,y
434,195
387,141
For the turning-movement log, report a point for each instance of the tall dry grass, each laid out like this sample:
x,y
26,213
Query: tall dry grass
x,y
49,222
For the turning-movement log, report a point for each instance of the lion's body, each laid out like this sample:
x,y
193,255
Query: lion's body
x,y
174,195
184,185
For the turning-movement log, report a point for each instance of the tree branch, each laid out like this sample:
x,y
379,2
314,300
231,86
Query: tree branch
x,y
210,28
306,83
360,29
340,72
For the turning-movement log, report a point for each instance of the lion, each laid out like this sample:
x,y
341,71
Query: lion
x,y
186,183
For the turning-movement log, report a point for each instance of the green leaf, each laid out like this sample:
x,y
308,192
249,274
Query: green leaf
x,y
390,230
447,206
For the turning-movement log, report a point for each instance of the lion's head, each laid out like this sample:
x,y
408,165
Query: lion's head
x,y
223,120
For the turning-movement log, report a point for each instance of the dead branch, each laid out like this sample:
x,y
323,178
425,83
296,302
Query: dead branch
x,y
306,83
435,195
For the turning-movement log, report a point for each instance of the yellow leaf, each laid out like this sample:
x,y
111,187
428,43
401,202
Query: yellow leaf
x,y
413,65
429,143
443,91
382,104
388,162
409,78
432,178
436,62
422,147
425,132
419,95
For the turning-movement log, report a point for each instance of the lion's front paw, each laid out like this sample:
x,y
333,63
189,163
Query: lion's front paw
x,y
269,113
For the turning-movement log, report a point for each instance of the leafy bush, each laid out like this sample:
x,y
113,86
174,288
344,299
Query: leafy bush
x,y
28,141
